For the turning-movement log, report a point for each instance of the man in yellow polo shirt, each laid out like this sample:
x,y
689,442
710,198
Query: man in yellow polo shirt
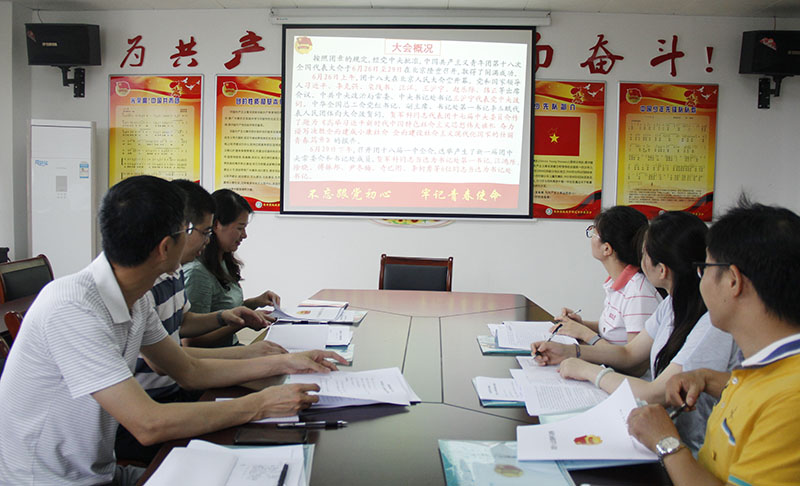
x,y
750,285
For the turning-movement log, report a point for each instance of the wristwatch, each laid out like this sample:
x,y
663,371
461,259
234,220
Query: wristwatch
x,y
594,340
667,446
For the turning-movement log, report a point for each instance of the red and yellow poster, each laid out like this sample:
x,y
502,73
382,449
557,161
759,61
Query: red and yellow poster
x,y
568,149
249,139
154,127
667,143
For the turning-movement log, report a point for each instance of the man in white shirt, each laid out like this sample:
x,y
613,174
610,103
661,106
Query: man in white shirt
x,y
69,379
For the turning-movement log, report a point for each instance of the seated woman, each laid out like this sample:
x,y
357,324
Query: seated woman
x,y
212,279
677,337
630,298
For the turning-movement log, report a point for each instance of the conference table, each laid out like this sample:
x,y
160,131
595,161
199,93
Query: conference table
x,y
431,338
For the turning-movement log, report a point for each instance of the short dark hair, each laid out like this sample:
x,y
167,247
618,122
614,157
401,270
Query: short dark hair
x,y
135,215
229,206
677,239
199,202
621,227
764,244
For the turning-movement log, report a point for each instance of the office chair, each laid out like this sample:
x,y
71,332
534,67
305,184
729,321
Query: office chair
x,y
409,273
22,278
13,321
3,354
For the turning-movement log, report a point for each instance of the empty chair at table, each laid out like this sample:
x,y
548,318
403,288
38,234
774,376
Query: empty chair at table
x,y
22,278
412,273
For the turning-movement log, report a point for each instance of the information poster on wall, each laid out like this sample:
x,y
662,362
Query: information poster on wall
x,y
248,157
667,146
568,149
154,127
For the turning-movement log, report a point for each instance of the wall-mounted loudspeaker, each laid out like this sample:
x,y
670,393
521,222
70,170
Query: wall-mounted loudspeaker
x,y
64,46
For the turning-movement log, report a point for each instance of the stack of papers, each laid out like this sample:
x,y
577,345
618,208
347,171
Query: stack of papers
x,y
306,337
521,334
540,389
488,344
600,433
545,391
353,388
205,464
498,392
323,303
318,315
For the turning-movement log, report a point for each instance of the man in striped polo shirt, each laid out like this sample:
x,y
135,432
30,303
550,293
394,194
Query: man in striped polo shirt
x,y
173,308
69,379
749,283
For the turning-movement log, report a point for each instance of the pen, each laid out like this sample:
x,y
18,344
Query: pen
x,y
555,331
674,414
318,424
567,315
282,478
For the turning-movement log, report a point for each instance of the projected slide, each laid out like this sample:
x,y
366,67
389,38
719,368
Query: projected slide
x,y
407,122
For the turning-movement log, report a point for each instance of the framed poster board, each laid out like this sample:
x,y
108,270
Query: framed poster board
x,y
248,138
568,149
667,147
154,127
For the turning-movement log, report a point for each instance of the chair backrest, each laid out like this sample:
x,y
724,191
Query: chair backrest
x,y
13,321
3,354
410,273
21,278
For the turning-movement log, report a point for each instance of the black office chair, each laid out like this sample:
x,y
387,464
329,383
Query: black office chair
x,y
410,273
21,278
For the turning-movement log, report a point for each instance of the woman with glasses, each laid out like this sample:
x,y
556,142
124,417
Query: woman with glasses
x,y
212,280
677,337
630,299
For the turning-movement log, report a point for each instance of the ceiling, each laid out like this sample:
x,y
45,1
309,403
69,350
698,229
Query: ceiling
x,y
724,8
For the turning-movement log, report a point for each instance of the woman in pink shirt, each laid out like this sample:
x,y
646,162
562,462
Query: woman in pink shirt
x,y
630,297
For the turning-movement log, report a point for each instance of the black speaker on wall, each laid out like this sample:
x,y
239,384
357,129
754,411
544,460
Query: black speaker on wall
x,y
63,44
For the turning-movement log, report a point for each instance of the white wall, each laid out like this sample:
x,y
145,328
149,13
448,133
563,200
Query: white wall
x,y
6,171
15,108
549,261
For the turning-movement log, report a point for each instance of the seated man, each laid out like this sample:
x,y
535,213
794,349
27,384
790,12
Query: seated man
x,y
173,309
749,283
69,381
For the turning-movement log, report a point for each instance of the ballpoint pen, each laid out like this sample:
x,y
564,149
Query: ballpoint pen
x,y
318,424
674,414
282,478
555,331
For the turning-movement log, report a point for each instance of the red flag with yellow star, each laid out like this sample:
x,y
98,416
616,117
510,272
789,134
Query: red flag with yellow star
x,y
557,135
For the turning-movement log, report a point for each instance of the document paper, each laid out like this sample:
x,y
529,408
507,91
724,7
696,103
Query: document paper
x,y
204,464
299,337
348,388
521,334
497,389
545,391
598,433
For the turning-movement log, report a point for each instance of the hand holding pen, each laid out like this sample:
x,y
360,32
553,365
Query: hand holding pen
x,y
552,334
570,314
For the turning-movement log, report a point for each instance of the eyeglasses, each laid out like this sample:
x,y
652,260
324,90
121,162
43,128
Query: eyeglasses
x,y
591,231
701,267
188,230
191,228
206,232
